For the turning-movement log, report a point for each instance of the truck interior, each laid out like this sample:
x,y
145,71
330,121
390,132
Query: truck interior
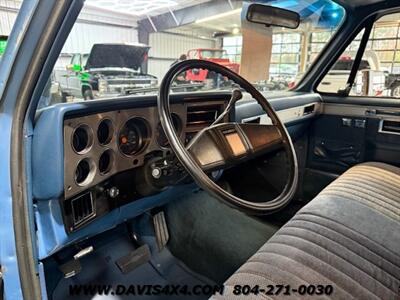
x,y
219,186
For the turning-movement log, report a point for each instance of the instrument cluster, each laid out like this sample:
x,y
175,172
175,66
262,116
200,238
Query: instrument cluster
x,y
100,145
112,158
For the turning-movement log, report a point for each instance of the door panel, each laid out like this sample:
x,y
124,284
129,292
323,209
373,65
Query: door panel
x,y
337,143
383,140
354,130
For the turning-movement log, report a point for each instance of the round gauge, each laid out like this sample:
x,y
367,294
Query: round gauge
x,y
133,136
105,132
82,139
161,138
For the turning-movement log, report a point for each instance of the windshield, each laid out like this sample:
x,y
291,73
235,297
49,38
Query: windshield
x,y
112,53
3,44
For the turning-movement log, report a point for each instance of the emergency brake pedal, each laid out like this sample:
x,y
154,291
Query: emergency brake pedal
x,y
134,259
161,230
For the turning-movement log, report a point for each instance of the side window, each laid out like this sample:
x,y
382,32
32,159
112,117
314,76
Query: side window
x,y
378,74
337,77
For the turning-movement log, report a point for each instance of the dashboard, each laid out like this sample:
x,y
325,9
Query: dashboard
x,y
97,164
114,157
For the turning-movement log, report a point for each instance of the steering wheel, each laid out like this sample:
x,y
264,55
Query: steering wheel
x,y
227,144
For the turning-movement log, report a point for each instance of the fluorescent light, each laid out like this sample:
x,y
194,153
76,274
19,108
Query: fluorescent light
x,y
132,7
214,17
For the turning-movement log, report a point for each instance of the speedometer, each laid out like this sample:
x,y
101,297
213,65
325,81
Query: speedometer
x,y
133,136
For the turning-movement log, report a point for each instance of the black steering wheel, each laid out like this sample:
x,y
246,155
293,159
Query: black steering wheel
x,y
226,144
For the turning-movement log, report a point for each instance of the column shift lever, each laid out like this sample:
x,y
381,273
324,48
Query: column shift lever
x,y
236,96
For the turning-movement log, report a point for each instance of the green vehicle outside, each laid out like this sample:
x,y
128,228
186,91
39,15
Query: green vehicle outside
x,y
3,44
108,70
79,83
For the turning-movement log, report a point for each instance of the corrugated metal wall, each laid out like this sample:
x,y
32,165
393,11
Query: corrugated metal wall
x,y
96,26
93,26
167,47
8,13
83,36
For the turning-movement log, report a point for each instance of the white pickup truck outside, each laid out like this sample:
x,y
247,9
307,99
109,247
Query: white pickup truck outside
x,y
370,78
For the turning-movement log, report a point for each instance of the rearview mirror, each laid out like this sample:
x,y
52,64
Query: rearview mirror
x,y
271,16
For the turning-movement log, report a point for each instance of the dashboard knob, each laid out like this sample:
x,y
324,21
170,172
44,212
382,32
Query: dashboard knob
x,y
113,192
156,173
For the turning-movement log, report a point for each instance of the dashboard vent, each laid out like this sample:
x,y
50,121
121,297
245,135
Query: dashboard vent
x,y
82,208
390,126
309,109
203,115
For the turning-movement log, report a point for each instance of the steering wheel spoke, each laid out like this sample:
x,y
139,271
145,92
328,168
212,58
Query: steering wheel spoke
x,y
207,152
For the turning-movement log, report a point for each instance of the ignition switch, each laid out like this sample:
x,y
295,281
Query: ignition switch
x,y
156,173
113,192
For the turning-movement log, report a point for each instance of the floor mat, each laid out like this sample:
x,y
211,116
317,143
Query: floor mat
x,y
212,238
99,269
